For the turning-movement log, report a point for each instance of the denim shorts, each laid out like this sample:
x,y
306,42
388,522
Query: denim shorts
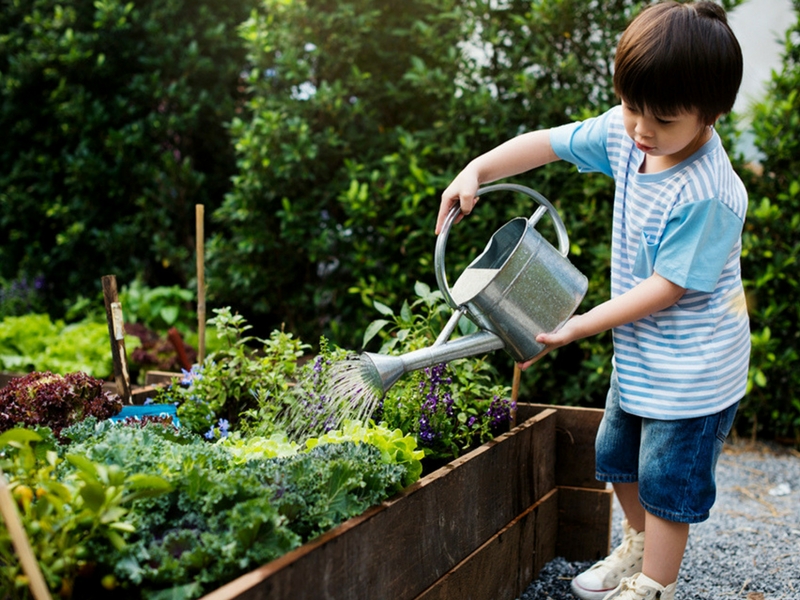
x,y
673,461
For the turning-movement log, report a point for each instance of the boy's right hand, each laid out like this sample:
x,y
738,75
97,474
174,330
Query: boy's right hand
x,y
460,191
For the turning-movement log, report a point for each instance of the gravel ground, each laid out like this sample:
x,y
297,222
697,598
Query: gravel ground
x,y
748,549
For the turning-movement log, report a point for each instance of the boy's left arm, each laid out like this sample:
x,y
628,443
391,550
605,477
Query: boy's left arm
x,y
652,295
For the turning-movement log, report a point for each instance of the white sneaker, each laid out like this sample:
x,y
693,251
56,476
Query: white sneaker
x,y
641,587
605,576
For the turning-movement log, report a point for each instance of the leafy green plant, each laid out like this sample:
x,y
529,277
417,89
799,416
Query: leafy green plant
x,y
237,378
232,509
34,342
69,519
159,308
395,446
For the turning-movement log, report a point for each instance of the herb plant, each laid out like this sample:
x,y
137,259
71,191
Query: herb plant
x,y
236,378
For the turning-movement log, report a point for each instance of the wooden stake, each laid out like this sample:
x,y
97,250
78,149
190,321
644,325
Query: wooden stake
x,y
201,284
21,543
174,336
515,394
116,331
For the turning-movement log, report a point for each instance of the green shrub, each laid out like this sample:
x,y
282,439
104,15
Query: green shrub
x,y
113,117
359,117
772,254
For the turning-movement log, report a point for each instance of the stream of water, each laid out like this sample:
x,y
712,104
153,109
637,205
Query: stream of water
x,y
344,394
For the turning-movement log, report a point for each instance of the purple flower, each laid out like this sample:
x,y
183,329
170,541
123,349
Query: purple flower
x,y
189,377
499,411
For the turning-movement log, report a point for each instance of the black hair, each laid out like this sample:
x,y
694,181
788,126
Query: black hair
x,y
677,58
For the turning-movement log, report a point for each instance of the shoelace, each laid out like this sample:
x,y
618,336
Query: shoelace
x,y
625,547
641,591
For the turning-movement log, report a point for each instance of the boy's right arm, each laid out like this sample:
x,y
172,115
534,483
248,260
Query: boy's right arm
x,y
520,154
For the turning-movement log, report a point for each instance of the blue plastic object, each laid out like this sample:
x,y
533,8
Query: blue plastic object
x,y
148,410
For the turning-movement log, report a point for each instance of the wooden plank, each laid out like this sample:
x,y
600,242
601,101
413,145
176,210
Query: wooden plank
x,y
400,548
576,429
584,523
140,394
160,377
503,567
6,377
116,333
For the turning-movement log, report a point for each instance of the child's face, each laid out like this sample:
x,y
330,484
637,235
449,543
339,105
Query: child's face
x,y
669,139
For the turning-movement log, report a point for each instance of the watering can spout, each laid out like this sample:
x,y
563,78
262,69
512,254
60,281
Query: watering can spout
x,y
382,371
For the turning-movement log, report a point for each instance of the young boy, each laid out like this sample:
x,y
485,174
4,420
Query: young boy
x,y
677,307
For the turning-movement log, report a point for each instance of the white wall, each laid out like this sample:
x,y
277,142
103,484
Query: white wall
x,y
760,26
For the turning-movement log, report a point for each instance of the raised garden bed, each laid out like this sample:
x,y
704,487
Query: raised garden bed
x,y
481,527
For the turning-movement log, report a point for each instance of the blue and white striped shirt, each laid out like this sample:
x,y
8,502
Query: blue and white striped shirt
x,y
685,224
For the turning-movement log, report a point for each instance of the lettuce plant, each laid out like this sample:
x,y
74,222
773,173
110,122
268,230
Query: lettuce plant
x,y
54,401
226,514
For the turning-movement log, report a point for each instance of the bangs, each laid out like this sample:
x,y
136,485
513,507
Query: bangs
x,y
672,60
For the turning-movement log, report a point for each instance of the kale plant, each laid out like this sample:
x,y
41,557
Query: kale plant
x,y
225,515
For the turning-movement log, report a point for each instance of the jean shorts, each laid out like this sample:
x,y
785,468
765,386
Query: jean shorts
x,y
673,461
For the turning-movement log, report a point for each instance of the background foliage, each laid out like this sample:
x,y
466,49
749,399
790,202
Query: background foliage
x,y
114,125
340,122
770,263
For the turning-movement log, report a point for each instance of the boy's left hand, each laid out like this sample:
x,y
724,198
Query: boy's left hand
x,y
556,339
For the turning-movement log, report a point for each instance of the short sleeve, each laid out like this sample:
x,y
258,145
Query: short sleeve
x,y
584,144
696,244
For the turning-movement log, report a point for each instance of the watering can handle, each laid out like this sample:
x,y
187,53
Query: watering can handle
x,y
544,206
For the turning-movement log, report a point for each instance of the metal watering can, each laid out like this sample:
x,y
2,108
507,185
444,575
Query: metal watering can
x,y
518,287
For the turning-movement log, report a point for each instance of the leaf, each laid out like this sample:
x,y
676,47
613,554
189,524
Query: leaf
x,y
123,526
19,435
169,314
112,515
372,330
84,465
143,481
382,308
423,290
94,495
116,539
405,313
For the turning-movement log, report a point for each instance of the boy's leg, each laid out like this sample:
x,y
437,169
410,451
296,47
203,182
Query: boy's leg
x,y
664,548
617,454
628,496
